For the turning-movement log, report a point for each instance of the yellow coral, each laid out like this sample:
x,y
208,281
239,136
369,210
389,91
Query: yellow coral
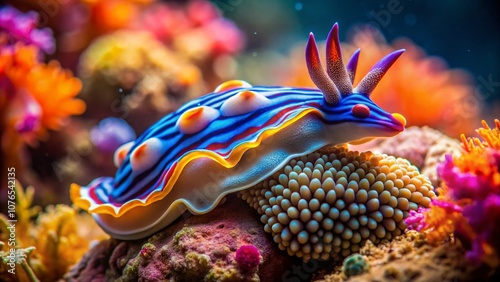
x,y
136,61
491,138
60,235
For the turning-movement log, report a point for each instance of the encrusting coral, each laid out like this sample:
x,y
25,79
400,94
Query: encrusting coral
x,y
328,203
227,244
58,239
469,204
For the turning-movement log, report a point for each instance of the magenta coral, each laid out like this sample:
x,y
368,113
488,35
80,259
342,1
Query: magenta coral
x,y
247,257
18,27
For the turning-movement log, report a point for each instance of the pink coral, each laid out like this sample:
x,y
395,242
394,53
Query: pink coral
x,y
195,29
247,257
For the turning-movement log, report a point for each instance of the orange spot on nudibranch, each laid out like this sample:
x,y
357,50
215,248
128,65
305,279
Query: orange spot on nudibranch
x,y
361,111
232,84
144,156
139,152
192,114
196,119
247,94
121,153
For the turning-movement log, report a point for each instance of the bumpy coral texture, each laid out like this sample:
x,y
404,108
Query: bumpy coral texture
x,y
328,203
424,147
470,204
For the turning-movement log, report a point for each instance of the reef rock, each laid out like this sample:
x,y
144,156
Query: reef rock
x,y
223,245
410,258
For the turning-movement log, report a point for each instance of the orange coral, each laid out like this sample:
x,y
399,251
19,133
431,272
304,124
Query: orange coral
x,y
475,158
420,87
491,138
43,92
34,97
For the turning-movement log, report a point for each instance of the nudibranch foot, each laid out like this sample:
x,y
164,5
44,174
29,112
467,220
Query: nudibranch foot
x,y
231,139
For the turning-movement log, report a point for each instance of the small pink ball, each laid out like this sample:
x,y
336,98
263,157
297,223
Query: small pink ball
x,y
247,257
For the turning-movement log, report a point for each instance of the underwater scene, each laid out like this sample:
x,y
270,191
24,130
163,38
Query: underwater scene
x,y
249,140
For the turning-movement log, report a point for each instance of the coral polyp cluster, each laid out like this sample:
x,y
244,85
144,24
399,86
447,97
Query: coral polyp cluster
x,y
328,203
470,203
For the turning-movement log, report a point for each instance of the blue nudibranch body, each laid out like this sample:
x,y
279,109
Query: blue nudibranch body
x,y
233,138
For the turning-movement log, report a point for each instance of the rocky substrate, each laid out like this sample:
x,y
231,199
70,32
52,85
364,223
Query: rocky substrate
x,y
194,248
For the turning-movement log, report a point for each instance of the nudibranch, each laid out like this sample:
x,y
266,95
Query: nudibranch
x,y
233,138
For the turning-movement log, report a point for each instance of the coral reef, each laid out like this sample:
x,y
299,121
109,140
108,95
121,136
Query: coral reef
x,y
328,203
420,87
226,244
57,240
423,146
131,74
16,27
27,113
196,30
469,204
167,55
410,258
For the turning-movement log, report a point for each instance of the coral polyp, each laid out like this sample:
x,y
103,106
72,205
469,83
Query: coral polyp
x,y
328,203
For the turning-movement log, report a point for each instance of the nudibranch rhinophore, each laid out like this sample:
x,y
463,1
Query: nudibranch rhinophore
x,y
232,139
